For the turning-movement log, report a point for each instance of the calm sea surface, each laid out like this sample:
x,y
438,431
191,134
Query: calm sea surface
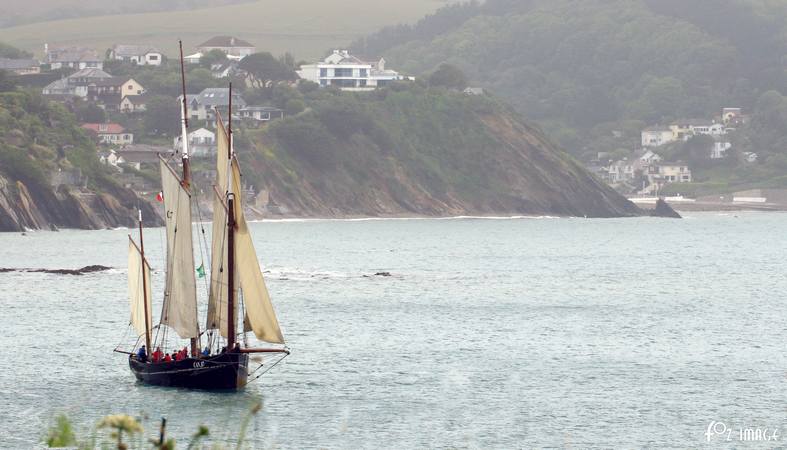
x,y
490,334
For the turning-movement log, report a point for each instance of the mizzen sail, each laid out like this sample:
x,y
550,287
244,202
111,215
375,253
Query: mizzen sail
x,y
138,289
180,297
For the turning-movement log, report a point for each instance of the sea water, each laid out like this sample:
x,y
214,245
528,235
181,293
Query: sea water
x,y
520,333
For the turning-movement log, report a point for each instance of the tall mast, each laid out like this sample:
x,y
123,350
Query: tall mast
x,y
144,286
184,120
230,240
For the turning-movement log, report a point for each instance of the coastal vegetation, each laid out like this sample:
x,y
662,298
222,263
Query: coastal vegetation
x,y
594,73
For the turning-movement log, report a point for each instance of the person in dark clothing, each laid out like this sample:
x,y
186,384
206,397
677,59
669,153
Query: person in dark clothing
x,y
142,354
206,352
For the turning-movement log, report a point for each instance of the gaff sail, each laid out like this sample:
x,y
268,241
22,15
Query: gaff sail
x,y
260,315
180,298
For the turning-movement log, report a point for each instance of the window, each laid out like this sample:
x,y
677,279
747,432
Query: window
x,y
323,82
343,73
364,73
362,83
344,83
323,73
153,57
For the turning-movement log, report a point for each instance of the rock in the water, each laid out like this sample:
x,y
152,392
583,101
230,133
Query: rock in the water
x,y
82,271
383,274
663,209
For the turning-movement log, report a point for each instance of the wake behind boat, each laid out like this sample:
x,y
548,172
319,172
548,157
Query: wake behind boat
x,y
236,284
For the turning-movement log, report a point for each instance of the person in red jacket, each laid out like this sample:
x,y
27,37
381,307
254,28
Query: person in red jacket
x,y
157,355
167,358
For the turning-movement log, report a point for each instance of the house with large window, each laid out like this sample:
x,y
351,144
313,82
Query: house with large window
x,y
72,57
657,136
77,84
348,72
202,143
140,55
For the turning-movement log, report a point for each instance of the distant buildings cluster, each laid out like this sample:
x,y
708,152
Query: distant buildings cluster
x,y
647,172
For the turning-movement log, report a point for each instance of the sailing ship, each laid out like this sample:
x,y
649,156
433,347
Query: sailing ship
x,y
236,288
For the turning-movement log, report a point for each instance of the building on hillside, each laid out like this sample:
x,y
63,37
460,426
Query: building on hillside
x,y
193,59
230,45
110,92
224,69
621,171
203,105
729,115
750,157
133,104
72,57
258,115
20,66
719,149
348,72
202,143
138,154
685,129
647,157
140,55
77,84
657,136
109,133
664,173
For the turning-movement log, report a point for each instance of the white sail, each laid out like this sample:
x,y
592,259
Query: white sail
x,y
136,292
180,298
259,309
260,315
217,301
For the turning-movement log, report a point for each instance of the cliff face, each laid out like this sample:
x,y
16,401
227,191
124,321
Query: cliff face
x,y
421,152
50,176
23,208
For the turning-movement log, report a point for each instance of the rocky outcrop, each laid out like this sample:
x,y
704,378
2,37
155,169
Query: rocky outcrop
x,y
663,209
24,207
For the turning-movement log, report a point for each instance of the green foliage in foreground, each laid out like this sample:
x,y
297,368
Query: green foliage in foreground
x,y
125,432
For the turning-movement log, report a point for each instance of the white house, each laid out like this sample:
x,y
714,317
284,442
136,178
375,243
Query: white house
x,y
230,45
260,114
138,54
110,133
202,143
720,149
657,136
72,57
349,72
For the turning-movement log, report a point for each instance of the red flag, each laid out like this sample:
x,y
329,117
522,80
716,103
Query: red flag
x,y
160,197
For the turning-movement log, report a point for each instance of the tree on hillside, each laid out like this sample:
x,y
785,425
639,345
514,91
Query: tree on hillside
x,y
162,115
213,57
264,69
90,113
7,51
448,76
6,82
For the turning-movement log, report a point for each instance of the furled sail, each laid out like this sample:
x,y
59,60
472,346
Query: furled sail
x,y
260,315
180,298
136,292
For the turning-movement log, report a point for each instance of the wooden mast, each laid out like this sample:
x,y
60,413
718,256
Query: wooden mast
x,y
144,287
184,113
230,240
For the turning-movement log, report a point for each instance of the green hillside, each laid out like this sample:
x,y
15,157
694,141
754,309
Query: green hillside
x,y
305,28
583,69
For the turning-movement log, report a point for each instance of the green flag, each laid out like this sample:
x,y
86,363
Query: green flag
x,y
201,271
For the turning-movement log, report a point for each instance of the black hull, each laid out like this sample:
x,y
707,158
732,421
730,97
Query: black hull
x,y
228,371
